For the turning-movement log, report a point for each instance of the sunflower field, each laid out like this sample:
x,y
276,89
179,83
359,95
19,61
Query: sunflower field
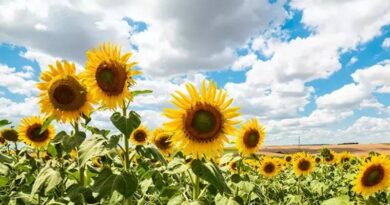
x,y
182,162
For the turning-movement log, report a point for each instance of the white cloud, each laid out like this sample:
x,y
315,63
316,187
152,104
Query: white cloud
x,y
244,61
386,43
352,60
17,82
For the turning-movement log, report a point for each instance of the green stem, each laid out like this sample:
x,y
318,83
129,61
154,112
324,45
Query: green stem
x,y
81,167
196,188
125,138
16,151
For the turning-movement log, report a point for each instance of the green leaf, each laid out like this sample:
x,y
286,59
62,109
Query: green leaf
x,y
47,177
91,147
223,200
176,200
59,137
46,124
3,181
125,124
5,158
340,200
52,150
140,92
4,123
107,182
211,173
151,153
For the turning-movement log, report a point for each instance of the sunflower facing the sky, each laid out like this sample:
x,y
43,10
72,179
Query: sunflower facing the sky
x,y
139,136
373,176
109,74
162,140
202,120
62,94
9,134
250,137
269,167
30,132
303,164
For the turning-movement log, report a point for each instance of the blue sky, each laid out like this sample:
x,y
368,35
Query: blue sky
x,y
299,74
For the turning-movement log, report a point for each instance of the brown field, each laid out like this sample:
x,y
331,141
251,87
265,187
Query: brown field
x,y
357,149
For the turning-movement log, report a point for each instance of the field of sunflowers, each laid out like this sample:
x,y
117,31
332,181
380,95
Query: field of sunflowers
x,y
182,162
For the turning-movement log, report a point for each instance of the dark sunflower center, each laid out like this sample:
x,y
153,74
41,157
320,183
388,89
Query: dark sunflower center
x,y
140,136
111,77
318,160
203,123
251,138
288,158
304,165
373,175
269,168
234,166
67,94
33,133
329,158
10,135
2,140
163,142
345,159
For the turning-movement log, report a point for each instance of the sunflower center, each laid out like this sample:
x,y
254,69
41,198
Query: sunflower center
x,y
2,140
10,135
140,136
318,160
67,94
345,159
33,133
329,158
304,165
203,123
234,166
111,77
288,158
163,142
269,168
373,175
251,138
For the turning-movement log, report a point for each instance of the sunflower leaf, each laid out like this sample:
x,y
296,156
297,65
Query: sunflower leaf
x,y
91,147
125,124
46,124
140,92
210,173
4,123
48,178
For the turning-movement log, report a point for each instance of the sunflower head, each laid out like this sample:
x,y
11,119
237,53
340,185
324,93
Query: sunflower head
x,y
373,176
250,137
97,162
139,136
30,132
62,94
344,157
288,158
318,160
303,164
9,134
269,167
233,166
331,158
162,140
109,74
202,120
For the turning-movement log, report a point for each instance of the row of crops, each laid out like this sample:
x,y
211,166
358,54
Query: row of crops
x,y
181,162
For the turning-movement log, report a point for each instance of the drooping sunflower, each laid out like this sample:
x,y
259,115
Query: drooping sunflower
x,y
9,134
139,136
344,156
62,94
202,120
303,164
374,176
250,137
269,167
331,158
163,140
109,74
29,132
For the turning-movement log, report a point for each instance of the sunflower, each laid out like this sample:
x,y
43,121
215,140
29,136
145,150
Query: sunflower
x,y
374,176
269,167
9,134
2,140
162,140
202,121
288,158
109,74
139,136
318,159
331,158
97,162
344,156
62,94
303,164
250,137
233,166
29,132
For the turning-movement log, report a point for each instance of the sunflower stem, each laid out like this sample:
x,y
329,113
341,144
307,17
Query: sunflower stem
x,y
127,161
196,188
16,151
81,167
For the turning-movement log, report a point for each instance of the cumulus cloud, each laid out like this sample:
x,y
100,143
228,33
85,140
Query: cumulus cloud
x,y
17,82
